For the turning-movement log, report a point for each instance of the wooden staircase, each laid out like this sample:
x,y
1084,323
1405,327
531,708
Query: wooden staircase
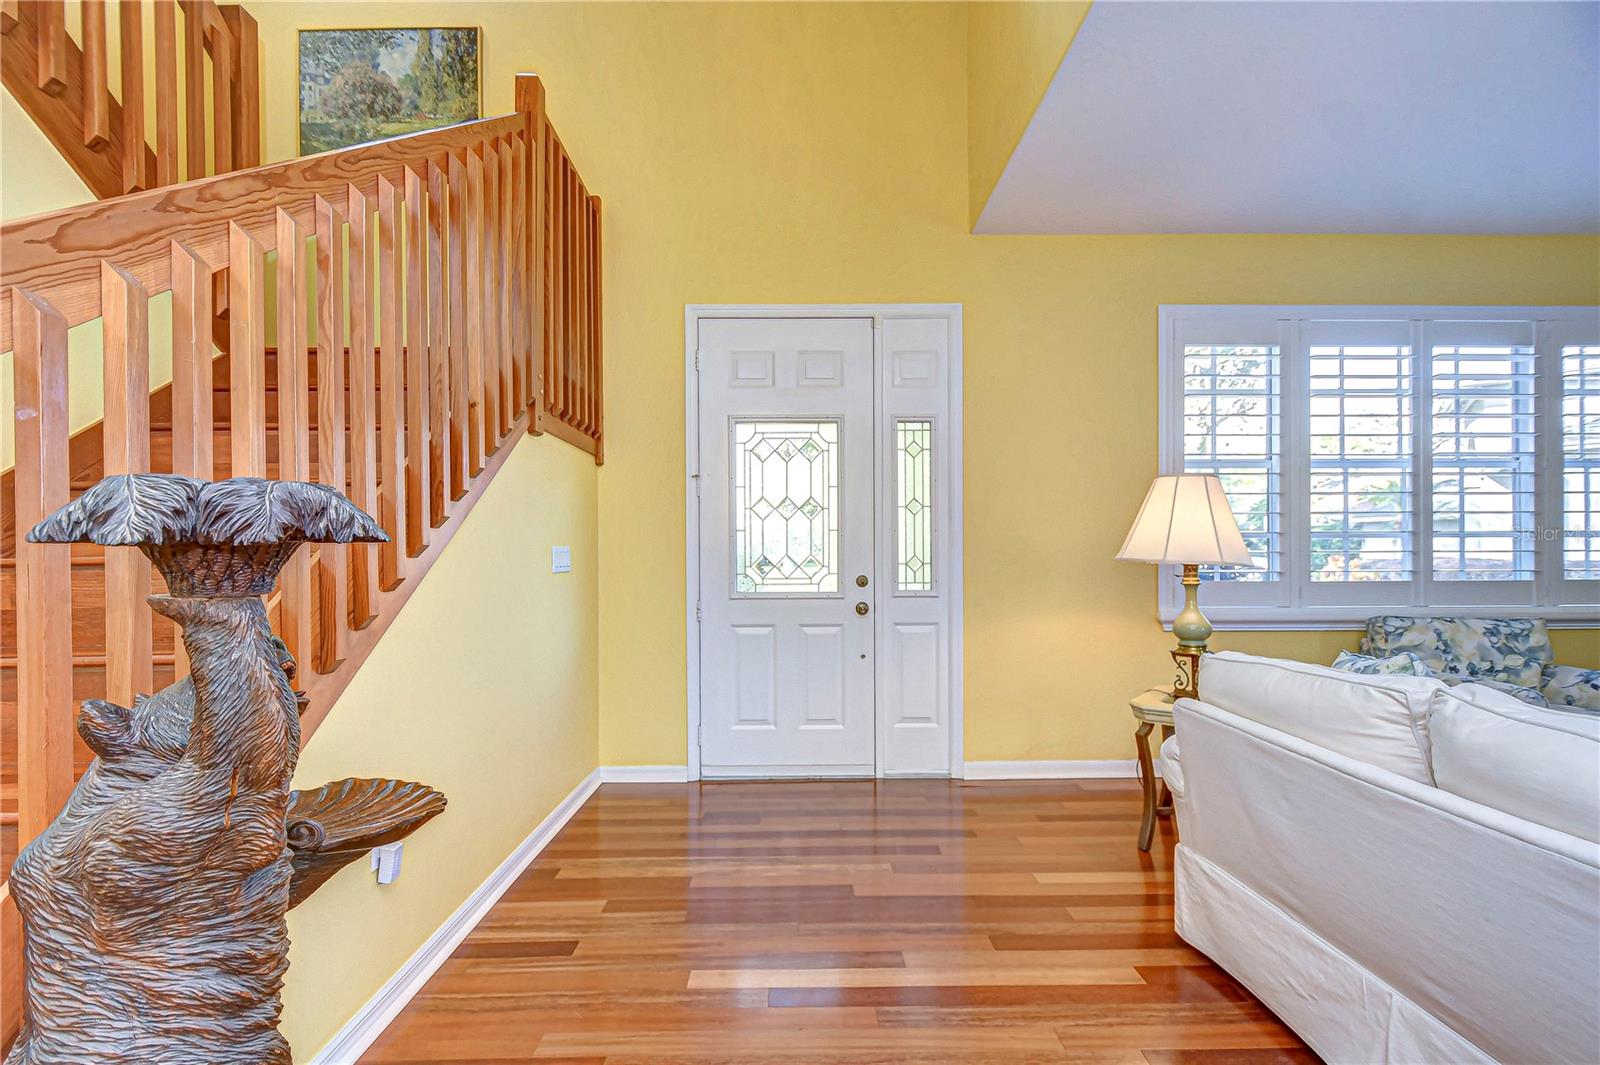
x,y
64,88
452,278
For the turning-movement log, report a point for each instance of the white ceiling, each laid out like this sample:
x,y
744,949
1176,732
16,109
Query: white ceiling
x,y
1302,116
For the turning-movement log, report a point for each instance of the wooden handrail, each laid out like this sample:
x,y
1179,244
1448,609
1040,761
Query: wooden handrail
x,y
431,283
100,132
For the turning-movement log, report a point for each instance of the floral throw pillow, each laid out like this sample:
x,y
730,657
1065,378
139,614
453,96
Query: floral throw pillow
x,y
1510,650
1404,664
1572,688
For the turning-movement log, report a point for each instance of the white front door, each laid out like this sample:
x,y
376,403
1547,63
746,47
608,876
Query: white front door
x,y
824,516
786,501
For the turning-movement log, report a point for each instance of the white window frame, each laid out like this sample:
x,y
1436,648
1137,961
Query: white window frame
x,y
1295,602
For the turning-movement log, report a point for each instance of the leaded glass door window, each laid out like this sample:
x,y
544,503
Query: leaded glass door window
x,y
786,507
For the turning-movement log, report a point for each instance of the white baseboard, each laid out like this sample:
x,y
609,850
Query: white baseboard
x,y
644,774
360,1031
1088,770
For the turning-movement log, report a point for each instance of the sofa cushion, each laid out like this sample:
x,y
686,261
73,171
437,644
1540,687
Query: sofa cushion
x,y
1572,687
1540,765
1513,650
1380,720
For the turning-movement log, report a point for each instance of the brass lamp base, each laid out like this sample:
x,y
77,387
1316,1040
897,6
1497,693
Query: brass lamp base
x,y
1186,684
1192,630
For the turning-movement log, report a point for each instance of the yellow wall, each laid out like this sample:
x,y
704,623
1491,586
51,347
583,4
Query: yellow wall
x,y
813,153
1013,50
484,687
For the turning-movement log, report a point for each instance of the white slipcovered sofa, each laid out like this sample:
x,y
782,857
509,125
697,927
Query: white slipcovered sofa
x,y
1403,871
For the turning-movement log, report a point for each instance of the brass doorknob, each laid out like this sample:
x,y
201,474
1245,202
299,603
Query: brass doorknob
x,y
862,608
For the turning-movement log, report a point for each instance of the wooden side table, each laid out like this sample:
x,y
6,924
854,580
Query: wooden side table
x,y
1150,709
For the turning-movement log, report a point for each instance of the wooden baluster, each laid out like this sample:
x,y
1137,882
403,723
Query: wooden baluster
x,y
131,17
194,90
588,314
391,385
516,286
166,13
599,344
493,288
551,272
475,312
530,101
363,411
570,307
438,347
581,232
294,425
458,326
125,309
44,571
416,363
192,379
11,993
192,363
96,93
247,355
558,316
333,607
10,14
52,46
246,73
505,241
222,89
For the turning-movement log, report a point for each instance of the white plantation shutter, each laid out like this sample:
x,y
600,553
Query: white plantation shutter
x,y
1392,458
1231,429
1360,411
1580,462
1483,387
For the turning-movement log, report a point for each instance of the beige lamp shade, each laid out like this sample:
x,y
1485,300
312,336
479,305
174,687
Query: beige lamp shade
x,y
1186,519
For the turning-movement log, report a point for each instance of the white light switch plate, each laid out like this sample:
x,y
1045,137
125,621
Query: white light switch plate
x,y
561,560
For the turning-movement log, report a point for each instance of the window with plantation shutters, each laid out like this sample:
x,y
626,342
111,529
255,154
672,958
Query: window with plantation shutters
x,y
1400,459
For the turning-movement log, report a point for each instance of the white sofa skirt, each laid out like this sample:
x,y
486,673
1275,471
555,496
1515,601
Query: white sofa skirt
x,y
1382,919
1344,1012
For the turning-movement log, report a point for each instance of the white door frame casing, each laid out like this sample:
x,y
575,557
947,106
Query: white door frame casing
x,y
951,493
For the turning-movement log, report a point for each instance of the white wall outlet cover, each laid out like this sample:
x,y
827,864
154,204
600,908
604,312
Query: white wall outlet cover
x,y
561,559
386,862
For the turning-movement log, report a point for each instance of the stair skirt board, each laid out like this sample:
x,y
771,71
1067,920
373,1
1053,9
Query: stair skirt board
x,y
351,1041
1105,769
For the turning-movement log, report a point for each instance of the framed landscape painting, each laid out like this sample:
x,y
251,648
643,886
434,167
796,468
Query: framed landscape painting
x,y
366,84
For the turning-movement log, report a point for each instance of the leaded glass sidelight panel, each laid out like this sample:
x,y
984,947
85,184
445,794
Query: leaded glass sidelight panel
x,y
785,507
913,446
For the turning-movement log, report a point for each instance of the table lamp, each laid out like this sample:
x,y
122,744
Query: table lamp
x,y
1185,521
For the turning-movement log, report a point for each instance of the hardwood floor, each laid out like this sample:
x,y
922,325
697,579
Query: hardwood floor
x,y
833,922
